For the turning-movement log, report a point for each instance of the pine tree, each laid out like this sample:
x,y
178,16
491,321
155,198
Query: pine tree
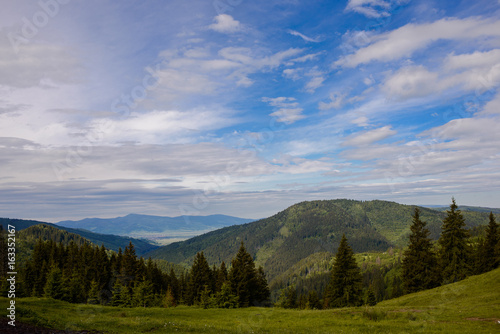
x,y
221,277
455,253
200,276
225,298
419,270
246,282
143,294
169,299
345,287
491,245
262,292
371,300
116,299
54,286
93,297
313,302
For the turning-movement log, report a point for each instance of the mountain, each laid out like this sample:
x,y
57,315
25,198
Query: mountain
x,y
112,242
283,240
467,208
155,227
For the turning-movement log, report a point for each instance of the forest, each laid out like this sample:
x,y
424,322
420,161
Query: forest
x,y
63,266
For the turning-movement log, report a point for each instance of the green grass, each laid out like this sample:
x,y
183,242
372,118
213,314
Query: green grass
x,y
470,306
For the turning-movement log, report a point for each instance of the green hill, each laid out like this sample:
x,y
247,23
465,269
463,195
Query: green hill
x,y
280,242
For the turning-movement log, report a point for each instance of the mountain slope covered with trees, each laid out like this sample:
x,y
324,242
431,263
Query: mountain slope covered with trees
x,y
279,242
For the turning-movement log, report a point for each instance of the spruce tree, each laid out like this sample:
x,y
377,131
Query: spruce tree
x,y
419,269
54,285
200,276
455,253
93,297
491,245
345,287
371,300
246,282
313,302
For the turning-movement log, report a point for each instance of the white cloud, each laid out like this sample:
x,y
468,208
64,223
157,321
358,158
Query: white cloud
x,y
287,115
404,41
472,60
479,71
412,81
199,72
293,73
314,84
368,137
369,8
304,37
225,23
35,64
336,101
288,111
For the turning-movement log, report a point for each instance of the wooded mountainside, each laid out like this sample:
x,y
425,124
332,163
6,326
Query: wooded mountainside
x,y
282,241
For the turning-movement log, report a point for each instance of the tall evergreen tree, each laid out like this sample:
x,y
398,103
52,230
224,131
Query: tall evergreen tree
x,y
244,279
345,287
200,276
221,277
455,253
54,285
419,270
491,245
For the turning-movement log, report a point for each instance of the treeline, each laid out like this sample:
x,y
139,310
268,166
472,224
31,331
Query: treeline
x,y
88,274
456,255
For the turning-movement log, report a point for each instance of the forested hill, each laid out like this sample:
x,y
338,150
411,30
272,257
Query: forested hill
x,y
112,242
280,241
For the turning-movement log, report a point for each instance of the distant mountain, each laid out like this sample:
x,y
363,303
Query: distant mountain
x,y
283,240
112,242
467,208
154,227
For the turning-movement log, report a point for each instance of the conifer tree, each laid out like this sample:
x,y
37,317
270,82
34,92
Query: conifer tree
x,y
491,245
143,294
221,277
345,287
455,253
169,299
93,297
245,280
313,302
54,285
200,276
116,299
371,300
419,269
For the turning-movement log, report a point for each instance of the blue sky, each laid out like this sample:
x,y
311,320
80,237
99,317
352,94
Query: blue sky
x,y
245,107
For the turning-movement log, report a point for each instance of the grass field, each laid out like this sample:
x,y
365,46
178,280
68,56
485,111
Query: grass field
x,y
470,306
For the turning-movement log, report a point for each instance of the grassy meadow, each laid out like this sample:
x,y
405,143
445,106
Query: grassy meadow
x,y
469,306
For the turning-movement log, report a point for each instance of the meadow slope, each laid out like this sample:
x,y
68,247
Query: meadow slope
x,y
469,306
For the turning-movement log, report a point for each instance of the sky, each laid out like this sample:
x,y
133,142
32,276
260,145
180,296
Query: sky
x,y
245,107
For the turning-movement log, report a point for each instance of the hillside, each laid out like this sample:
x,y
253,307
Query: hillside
x,y
283,240
155,227
112,242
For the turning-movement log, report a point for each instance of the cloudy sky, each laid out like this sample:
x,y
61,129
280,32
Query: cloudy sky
x,y
245,107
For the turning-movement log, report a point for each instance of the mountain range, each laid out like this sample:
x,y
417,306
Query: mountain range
x,y
156,228
109,241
